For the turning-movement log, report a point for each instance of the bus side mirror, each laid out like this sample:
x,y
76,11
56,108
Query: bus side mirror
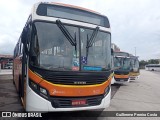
x,y
112,51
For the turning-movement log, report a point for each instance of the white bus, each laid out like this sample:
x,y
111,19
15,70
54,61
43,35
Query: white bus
x,y
62,60
153,67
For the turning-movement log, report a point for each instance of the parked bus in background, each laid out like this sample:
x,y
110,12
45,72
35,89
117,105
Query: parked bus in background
x,y
152,67
122,67
134,73
62,60
112,64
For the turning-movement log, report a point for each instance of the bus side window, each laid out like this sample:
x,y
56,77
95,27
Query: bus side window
x,y
14,52
21,48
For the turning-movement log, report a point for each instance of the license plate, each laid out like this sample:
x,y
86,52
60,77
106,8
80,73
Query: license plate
x,y
78,102
121,80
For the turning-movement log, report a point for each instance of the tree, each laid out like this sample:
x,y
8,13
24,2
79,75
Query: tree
x,y
142,64
153,61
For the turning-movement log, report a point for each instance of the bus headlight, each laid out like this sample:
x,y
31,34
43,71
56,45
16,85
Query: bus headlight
x,y
106,91
33,85
38,89
44,91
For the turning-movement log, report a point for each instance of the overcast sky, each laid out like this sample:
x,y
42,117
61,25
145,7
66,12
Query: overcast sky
x,y
134,23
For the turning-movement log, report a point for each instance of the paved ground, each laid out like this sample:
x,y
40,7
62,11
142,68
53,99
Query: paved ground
x,y
8,96
140,95
5,71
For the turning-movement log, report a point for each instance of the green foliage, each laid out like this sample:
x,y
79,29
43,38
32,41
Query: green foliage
x,y
142,63
153,61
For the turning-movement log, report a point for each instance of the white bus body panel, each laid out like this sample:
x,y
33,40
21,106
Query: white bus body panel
x,y
133,78
112,81
119,82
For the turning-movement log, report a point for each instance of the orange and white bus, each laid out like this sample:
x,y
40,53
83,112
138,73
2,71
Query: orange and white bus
x,y
122,63
62,60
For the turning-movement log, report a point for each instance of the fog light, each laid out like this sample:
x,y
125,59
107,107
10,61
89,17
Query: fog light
x,y
44,91
106,91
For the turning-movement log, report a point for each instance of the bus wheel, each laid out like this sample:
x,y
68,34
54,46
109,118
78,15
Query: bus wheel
x,y
20,94
13,79
13,82
152,69
20,90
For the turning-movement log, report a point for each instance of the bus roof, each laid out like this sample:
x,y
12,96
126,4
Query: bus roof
x,y
120,53
120,56
73,6
69,12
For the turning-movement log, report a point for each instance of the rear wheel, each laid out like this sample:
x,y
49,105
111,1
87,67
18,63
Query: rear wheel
x,y
20,89
13,77
21,94
13,81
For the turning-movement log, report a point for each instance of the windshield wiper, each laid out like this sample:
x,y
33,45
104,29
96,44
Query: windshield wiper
x,y
91,40
66,33
118,60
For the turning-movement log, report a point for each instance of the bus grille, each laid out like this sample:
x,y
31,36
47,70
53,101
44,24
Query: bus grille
x,y
66,102
121,72
120,79
75,79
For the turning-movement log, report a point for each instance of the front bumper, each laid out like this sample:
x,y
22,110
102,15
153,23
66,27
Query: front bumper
x,y
34,102
119,81
133,78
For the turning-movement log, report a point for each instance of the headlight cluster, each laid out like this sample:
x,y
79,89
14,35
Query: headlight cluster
x,y
44,91
33,85
106,91
38,89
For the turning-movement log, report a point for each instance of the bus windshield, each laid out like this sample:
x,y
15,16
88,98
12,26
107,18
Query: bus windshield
x,y
123,63
135,63
51,49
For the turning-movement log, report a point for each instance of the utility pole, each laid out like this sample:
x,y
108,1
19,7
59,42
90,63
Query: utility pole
x,y
135,51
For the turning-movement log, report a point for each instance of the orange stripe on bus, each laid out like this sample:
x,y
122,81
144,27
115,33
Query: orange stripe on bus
x,y
121,76
34,77
71,90
74,90
134,74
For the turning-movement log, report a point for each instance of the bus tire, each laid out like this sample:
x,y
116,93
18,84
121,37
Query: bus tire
x,y
19,92
13,82
152,69
13,77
